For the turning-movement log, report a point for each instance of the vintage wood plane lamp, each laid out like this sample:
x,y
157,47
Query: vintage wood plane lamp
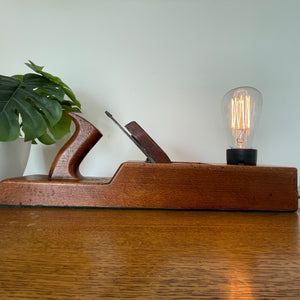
x,y
157,183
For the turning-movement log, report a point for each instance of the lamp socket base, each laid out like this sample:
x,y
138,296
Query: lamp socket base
x,y
247,157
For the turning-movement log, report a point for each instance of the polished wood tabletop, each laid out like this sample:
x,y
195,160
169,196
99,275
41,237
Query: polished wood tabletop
x,y
50,253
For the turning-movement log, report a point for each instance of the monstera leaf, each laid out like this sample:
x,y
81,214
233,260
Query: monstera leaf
x,y
34,104
56,80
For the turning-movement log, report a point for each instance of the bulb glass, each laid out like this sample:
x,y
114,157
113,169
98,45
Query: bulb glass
x,y
241,110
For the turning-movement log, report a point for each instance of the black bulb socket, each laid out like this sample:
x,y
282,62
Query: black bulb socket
x,y
246,157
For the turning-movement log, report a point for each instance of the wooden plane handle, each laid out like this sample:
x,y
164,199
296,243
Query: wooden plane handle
x,y
67,161
147,143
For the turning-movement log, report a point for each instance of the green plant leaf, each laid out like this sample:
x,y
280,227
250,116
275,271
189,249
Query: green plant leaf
x,y
36,105
17,97
61,128
45,86
55,79
9,126
46,139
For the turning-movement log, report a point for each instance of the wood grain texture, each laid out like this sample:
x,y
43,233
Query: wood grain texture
x,y
139,134
67,161
164,186
139,254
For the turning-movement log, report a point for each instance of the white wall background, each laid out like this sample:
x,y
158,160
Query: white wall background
x,y
165,64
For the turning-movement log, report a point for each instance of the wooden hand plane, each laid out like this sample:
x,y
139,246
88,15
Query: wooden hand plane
x,y
157,183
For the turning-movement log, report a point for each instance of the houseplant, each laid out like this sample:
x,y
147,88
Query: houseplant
x,y
33,106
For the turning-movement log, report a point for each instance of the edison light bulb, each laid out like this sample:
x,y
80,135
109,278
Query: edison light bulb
x,y
241,109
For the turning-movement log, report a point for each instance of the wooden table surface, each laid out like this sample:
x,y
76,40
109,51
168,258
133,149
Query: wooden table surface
x,y
48,253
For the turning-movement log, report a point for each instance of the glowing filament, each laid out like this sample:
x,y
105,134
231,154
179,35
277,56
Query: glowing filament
x,y
240,119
